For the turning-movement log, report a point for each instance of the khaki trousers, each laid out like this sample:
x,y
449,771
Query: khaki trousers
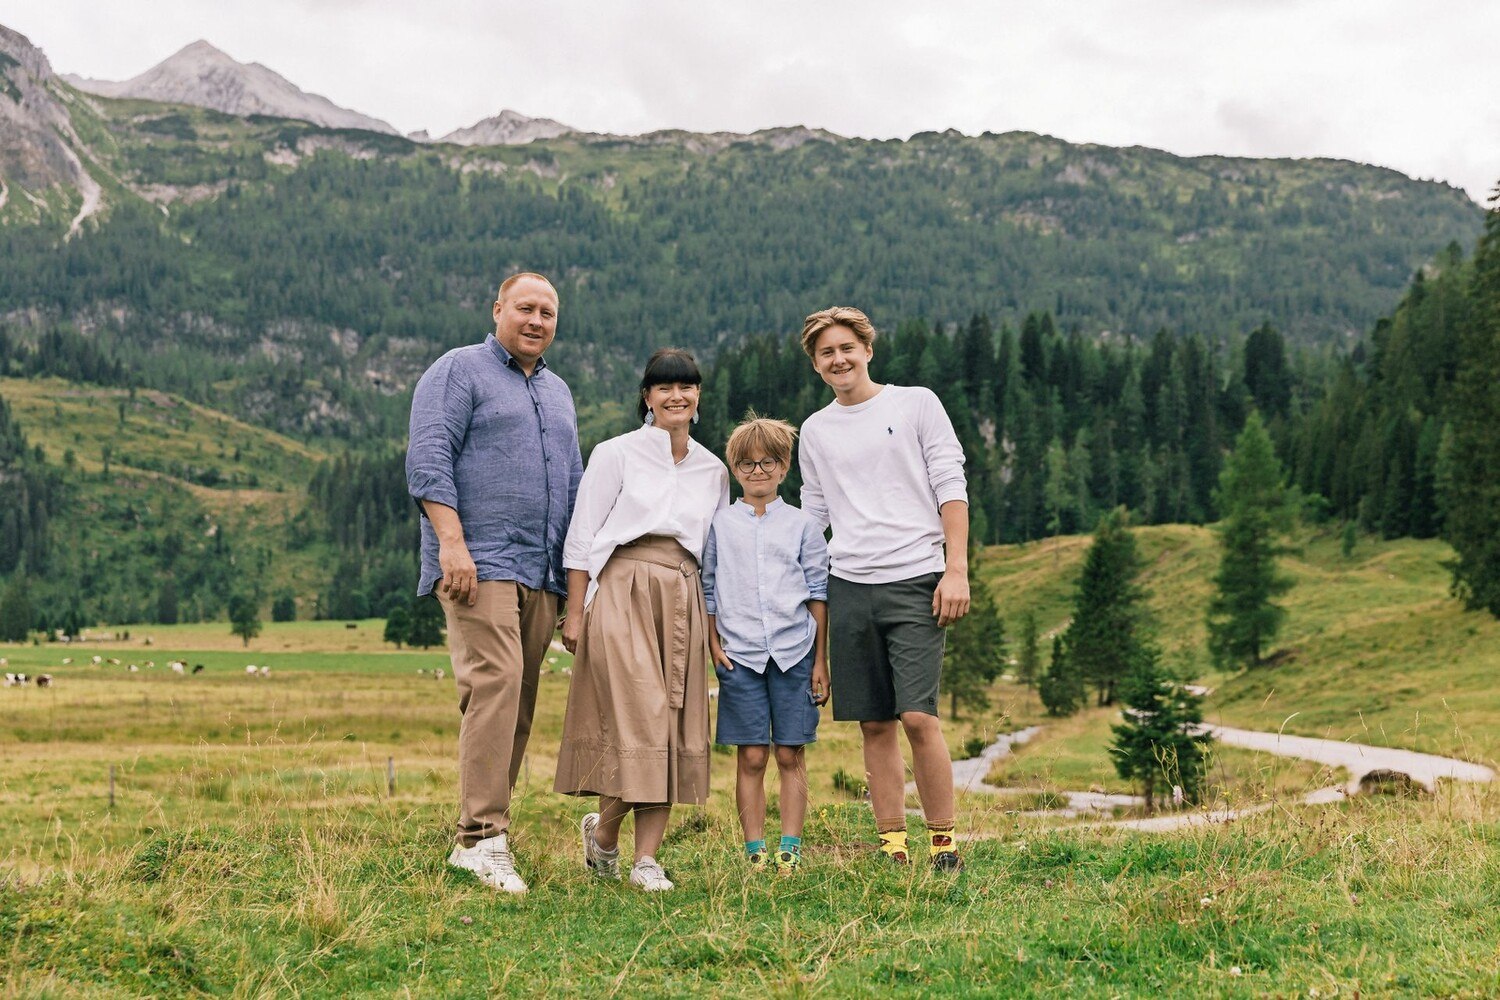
x,y
496,645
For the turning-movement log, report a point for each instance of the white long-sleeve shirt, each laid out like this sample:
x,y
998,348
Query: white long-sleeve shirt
x,y
632,487
878,472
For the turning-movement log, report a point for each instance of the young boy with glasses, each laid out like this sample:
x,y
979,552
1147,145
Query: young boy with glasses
x,y
765,581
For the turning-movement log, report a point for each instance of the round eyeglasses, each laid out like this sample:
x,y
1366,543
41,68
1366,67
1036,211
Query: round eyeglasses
x,y
768,465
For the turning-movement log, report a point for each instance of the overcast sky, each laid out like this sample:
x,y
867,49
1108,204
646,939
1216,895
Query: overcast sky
x,y
1410,86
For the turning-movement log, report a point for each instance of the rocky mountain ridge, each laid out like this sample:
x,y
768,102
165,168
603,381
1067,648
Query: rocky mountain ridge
x,y
205,76
39,158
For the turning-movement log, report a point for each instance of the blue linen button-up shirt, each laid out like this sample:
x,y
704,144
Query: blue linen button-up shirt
x,y
758,575
500,448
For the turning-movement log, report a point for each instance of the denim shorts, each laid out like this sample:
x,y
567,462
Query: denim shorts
x,y
771,707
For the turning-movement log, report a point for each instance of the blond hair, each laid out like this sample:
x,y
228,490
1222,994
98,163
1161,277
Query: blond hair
x,y
510,282
846,316
772,438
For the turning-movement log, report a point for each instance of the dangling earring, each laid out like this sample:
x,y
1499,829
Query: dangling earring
x,y
650,417
696,415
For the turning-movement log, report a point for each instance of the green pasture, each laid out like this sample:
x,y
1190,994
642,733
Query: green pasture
x,y
255,846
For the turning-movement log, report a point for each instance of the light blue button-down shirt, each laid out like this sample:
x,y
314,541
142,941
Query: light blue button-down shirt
x,y
758,575
501,448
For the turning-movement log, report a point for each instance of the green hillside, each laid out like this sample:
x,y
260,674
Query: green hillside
x,y
301,278
159,490
1374,650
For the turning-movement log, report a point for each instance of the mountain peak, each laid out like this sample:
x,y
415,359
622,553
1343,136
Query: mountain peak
x,y
206,76
508,128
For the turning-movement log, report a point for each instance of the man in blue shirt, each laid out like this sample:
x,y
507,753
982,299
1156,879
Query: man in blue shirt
x,y
493,462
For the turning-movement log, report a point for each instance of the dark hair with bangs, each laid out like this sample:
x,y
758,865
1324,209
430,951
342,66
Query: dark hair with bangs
x,y
668,365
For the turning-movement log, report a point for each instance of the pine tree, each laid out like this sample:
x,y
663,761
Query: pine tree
x,y
1472,483
1061,689
1243,617
284,608
244,617
398,625
1109,615
1160,744
975,652
426,624
1029,662
15,612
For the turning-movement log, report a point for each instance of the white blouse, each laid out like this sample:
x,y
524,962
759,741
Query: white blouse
x,y
632,487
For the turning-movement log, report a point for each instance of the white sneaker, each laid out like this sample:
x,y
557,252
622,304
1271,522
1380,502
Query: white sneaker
x,y
492,861
605,864
647,874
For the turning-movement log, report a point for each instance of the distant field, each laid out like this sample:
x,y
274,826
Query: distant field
x,y
366,636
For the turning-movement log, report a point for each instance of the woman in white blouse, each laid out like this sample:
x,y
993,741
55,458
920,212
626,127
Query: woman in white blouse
x,y
636,732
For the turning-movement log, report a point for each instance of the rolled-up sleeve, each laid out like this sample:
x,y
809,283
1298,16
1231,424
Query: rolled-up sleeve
x,y
942,453
814,559
441,409
598,489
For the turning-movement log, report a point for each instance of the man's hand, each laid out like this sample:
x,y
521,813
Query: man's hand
x,y
950,601
720,658
460,578
820,683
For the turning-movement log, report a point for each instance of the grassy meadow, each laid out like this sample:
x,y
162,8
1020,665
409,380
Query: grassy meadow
x,y
254,848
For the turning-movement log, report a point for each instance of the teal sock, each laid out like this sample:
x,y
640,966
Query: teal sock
x,y
754,847
793,844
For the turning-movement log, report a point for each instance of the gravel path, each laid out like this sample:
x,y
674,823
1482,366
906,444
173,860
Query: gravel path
x,y
1358,759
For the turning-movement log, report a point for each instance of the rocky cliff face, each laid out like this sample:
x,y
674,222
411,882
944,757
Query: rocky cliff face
x,y
203,76
39,149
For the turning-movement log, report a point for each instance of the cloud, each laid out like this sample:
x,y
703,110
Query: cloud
x,y
1374,80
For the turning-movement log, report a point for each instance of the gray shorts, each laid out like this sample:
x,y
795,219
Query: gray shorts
x,y
885,650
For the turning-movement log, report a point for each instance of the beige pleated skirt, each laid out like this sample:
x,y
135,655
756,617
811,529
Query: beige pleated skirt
x,y
637,721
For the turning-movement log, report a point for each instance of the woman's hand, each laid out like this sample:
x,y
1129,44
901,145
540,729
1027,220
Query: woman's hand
x,y
572,630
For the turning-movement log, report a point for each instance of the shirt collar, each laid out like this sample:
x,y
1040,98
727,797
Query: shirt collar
x,y
508,359
777,502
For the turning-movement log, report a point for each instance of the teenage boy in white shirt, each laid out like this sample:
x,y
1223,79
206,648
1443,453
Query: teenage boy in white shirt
x,y
882,465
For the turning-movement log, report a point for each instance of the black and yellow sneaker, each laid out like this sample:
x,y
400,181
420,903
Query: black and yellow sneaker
x,y
759,861
787,862
893,846
944,850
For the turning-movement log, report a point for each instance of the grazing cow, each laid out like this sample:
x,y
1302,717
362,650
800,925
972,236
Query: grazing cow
x,y
96,659
114,661
134,669
43,680
197,668
177,667
439,673
10,680
265,671
250,668
67,660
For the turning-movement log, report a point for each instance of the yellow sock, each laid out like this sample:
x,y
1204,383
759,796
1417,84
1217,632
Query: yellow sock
x,y
893,844
941,840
